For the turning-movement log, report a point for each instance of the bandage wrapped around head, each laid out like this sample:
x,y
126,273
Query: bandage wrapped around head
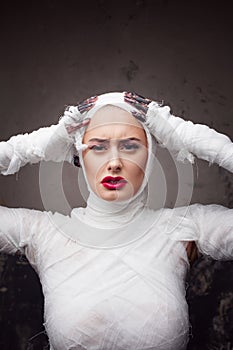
x,y
88,108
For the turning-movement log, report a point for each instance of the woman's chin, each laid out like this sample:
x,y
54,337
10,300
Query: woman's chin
x,y
114,195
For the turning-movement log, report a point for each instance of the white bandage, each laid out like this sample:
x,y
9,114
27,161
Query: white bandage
x,y
49,143
187,139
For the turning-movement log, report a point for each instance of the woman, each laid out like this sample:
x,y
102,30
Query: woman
x,y
113,273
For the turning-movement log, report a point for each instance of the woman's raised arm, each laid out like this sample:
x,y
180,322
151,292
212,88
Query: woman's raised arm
x,y
181,137
55,143
48,143
6,153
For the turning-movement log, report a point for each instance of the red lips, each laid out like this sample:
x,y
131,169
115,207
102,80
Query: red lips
x,y
113,182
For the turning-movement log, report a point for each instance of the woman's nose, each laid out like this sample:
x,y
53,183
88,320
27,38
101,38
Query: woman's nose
x,y
114,165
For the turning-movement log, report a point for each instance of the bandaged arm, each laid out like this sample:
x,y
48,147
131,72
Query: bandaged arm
x,y
48,143
214,230
187,139
18,229
209,226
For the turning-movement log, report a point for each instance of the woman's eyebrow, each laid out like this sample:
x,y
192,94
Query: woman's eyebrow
x,y
96,139
130,139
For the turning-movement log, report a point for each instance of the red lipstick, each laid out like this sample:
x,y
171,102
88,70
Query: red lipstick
x,y
113,182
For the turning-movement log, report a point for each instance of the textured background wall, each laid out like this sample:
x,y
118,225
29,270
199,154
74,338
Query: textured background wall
x,y
55,53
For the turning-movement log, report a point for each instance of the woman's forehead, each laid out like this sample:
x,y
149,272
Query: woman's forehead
x,y
113,122
112,114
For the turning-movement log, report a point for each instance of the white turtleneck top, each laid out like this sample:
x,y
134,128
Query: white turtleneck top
x,y
129,296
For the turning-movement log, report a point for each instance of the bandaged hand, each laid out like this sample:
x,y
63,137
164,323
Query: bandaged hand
x,y
182,138
73,116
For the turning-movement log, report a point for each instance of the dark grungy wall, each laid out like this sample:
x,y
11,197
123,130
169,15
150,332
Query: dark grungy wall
x,y
55,53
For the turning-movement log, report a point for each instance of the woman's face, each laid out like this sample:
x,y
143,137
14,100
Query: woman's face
x,y
116,156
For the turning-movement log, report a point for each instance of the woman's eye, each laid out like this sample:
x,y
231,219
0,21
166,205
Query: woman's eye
x,y
129,146
98,148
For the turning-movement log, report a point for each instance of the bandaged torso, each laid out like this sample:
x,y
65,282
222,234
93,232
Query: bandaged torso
x,y
129,297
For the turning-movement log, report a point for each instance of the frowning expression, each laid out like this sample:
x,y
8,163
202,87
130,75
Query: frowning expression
x,y
116,157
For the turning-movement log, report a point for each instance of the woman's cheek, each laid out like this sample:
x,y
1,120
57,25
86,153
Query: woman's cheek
x,y
93,166
138,162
